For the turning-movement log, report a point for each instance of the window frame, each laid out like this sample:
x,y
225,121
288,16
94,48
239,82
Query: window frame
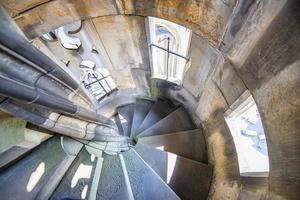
x,y
98,82
174,73
240,106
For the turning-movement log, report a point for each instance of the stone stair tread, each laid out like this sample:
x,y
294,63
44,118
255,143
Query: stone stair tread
x,y
112,183
142,107
107,107
189,144
17,181
158,111
144,181
57,175
72,185
189,179
116,119
126,115
178,120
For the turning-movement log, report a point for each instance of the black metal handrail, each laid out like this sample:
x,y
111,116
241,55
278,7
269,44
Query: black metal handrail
x,y
171,52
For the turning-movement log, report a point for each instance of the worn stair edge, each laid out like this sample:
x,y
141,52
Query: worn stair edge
x,y
19,181
177,121
51,184
112,183
148,98
126,177
125,114
188,178
142,107
108,107
16,153
96,177
145,183
189,144
73,187
118,123
159,110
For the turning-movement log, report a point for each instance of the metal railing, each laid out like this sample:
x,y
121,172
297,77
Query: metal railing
x,y
168,54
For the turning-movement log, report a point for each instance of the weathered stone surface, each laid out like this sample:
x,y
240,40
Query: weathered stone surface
x,y
112,184
108,107
11,131
124,39
141,109
17,182
51,15
263,57
189,179
228,82
271,72
14,7
189,144
254,188
142,80
127,52
176,121
144,181
279,105
249,22
221,149
207,18
160,110
277,48
70,189
202,63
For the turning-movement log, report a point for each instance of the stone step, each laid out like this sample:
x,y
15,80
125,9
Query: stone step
x,y
159,110
145,183
116,119
126,115
108,106
112,183
77,181
189,179
54,180
189,144
178,120
26,177
141,109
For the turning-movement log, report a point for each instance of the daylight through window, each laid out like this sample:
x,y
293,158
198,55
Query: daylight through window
x,y
247,130
169,48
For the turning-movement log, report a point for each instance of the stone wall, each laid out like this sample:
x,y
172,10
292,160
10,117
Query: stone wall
x,y
263,57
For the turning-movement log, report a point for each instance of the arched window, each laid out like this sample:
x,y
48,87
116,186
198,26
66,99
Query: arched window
x,y
248,134
169,47
97,81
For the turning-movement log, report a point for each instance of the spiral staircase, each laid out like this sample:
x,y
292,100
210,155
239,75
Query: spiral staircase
x,y
59,139
166,159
